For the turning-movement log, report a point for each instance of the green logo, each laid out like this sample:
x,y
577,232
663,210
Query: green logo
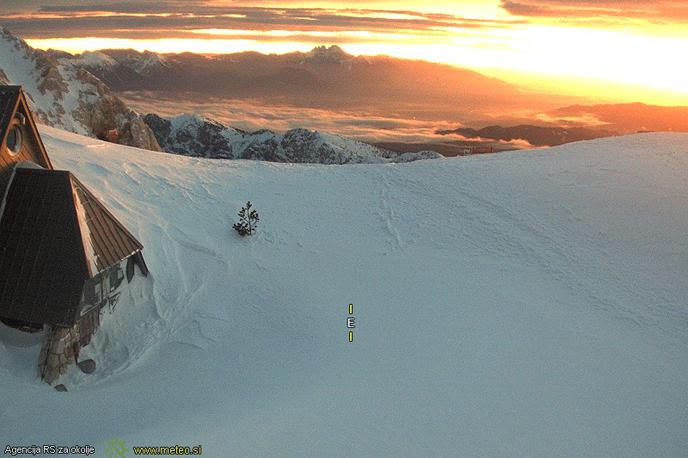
x,y
116,448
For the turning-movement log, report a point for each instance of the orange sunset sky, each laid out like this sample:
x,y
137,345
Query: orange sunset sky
x,y
627,50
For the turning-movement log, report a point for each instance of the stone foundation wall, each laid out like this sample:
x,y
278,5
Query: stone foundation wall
x,y
58,351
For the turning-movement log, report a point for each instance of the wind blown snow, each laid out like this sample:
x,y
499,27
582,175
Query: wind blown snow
x,y
528,304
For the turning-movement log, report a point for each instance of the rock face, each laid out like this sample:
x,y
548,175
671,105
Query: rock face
x,y
192,135
3,78
326,55
65,95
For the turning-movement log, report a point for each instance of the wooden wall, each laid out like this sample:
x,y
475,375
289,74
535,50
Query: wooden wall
x,y
30,151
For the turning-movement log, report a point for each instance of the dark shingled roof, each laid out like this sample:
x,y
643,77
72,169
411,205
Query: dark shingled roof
x,y
50,227
42,266
110,240
9,97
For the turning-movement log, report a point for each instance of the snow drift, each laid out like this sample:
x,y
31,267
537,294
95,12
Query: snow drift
x,y
529,303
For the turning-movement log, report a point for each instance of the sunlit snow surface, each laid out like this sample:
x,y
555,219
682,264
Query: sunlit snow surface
x,y
527,303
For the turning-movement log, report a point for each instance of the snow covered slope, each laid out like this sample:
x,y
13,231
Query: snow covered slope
x,y
193,135
520,304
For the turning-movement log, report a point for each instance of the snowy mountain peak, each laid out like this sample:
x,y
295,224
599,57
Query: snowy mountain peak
x,y
193,135
326,55
147,62
94,59
66,95
193,121
116,64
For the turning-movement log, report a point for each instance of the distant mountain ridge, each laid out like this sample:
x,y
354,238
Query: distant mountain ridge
x,y
585,122
65,93
67,96
534,135
192,135
628,117
325,77
328,78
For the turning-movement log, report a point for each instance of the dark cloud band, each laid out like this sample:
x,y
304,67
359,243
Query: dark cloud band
x,y
174,19
657,10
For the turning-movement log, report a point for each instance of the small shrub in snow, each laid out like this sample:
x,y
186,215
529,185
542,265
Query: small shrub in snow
x,y
248,220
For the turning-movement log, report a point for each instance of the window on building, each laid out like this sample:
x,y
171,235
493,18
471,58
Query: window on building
x,y
93,294
14,140
116,277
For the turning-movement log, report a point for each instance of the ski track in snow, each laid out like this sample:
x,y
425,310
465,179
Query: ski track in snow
x,y
387,214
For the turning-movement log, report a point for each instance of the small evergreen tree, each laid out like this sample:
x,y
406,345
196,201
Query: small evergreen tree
x,y
248,220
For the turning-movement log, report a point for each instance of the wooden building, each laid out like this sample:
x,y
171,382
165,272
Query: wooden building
x,y
63,254
20,139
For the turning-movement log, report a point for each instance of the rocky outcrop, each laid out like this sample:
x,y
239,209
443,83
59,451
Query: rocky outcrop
x,y
418,156
192,135
65,95
137,133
